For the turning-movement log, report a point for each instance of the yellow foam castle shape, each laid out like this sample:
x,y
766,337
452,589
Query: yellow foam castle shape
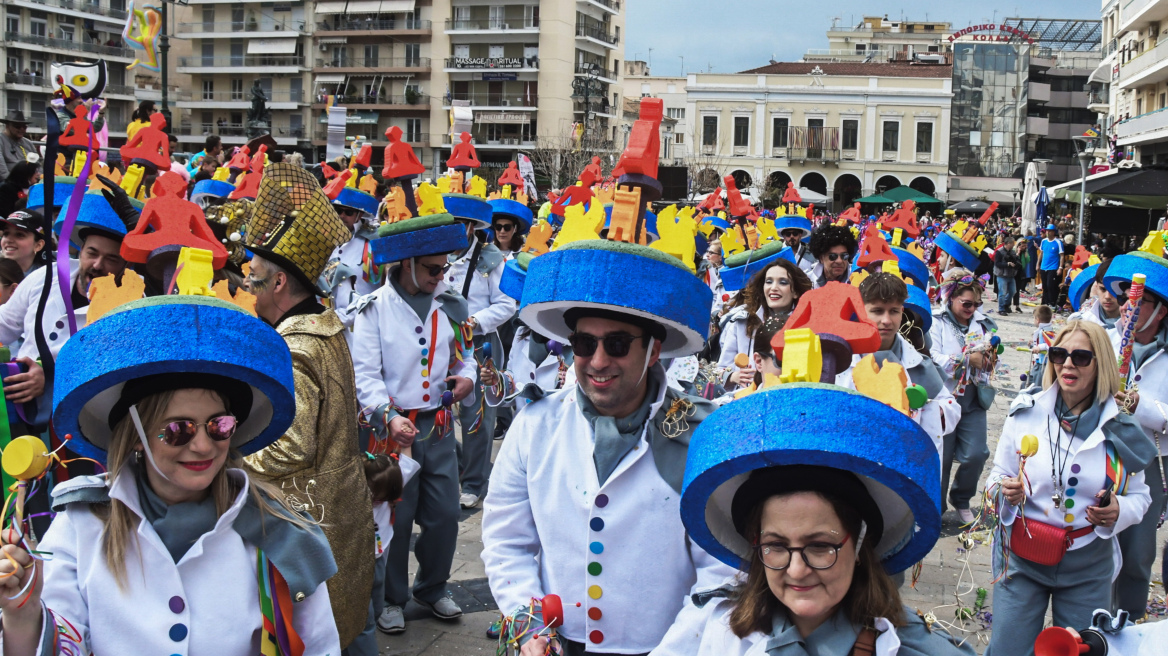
x,y
802,356
677,236
429,200
625,217
194,272
885,384
580,225
106,294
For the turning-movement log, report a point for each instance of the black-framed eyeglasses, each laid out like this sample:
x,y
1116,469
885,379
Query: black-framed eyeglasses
x,y
1079,357
435,270
616,345
503,227
347,211
816,555
181,432
846,257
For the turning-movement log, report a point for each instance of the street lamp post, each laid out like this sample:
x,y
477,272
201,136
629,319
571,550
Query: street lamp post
x,y
1083,146
163,56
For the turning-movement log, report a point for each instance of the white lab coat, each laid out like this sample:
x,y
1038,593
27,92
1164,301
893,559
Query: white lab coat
x,y
1087,452
350,288
215,581
489,306
542,527
807,262
939,416
1153,391
389,341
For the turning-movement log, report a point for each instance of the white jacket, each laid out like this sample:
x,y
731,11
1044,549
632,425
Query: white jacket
x,y
489,306
948,347
389,344
734,339
546,520
215,581
352,287
1152,379
1087,454
525,372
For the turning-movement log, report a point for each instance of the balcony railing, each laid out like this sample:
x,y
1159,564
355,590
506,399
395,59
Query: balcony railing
x,y
492,24
376,136
30,80
233,61
496,99
590,68
282,95
611,4
1110,48
66,44
86,7
481,140
279,130
821,144
421,101
373,62
1142,124
120,89
473,63
369,25
239,26
597,33
1097,97
1146,60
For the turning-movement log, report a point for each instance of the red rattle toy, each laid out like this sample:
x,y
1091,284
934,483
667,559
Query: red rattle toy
x,y
1057,641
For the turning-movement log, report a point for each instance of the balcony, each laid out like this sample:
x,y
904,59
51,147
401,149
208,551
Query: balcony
x,y
282,99
588,69
39,82
602,109
836,55
812,143
1068,99
375,26
1151,67
609,6
1037,126
596,35
491,26
69,47
242,64
369,65
501,143
270,29
513,101
235,133
1039,92
1098,101
1138,14
78,8
414,103
455,64
1144,128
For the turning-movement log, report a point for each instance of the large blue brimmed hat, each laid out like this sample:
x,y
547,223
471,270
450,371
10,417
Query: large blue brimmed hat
x,y
740,267
1122,268
514,210
793,222
62,189
183,336
912,267
358,200
893,458
1081,286
209,189
95,215
958,250
470,208
433,234
918,302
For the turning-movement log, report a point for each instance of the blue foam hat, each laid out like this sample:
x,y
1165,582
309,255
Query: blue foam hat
x,y
793,222
1081,286
62,189
626,278
716,221
912,267
1122,268
179,335
95,215
957,250
471,208
358,200
736,277
918,302
514,210
207,189
434,234
514,276
893,458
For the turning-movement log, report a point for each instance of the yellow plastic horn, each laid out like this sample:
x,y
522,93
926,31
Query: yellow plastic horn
x,y
1029,446
25,458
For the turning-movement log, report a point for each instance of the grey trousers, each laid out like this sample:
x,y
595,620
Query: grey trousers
x,y
1138,545
966,444
1074,588
366,643
474,456
431,500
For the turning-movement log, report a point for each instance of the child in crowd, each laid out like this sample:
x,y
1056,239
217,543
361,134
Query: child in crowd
x,y
1039,343
387,475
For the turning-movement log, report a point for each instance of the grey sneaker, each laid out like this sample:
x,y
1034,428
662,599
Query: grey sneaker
x,y
468,500
391,620
444,608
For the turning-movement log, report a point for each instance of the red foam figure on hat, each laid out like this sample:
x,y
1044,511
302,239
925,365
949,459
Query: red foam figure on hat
x,y
328,171
988,213
875,248
400,160
463,156
362,158
575,195
173,221
617,171
337,184
1082,255
149,143
250,185
644,149
713,202
594,170
241,160
512,177
834,309
905,219
738,204
77,129
791,195
852,213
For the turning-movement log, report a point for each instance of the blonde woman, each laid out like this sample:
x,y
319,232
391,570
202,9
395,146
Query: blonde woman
x,y
1068,493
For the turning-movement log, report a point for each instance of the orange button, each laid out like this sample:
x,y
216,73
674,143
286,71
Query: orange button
x,y
594,614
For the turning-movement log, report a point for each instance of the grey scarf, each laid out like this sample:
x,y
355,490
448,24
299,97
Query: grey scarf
x,y
615,437
1141,352
180,525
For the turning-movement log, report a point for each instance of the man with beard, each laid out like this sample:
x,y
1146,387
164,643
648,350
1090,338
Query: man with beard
x,y
794,229
833,247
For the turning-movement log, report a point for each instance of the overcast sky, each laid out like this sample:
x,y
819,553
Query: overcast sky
x,y
735,35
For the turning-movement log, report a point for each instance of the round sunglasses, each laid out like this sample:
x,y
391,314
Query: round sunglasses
x,y
181,432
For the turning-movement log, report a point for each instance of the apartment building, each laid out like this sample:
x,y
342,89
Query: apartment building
x,y
37,33
877,38
639,83
1139,122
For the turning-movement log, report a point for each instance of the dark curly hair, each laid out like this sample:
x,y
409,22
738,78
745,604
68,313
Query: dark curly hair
x,y
829,236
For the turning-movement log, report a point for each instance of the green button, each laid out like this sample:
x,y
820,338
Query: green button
x,y
594,569
1070,503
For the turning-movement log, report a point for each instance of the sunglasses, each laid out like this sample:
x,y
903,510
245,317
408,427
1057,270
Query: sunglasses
x,y
838,256
348,211
180,433
435,270
792,233
967,305
616,345
1079,357
503,227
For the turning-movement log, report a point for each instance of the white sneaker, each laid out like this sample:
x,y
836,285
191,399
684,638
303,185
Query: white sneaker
x,y
468,500
391,620
966,515
443,609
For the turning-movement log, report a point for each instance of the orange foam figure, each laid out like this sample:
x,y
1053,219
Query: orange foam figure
x,y
77,129
885,384
834,309
400,160
623,226
988,213
511,176
644,150
738,204
463,156
537,239
1082,255
149,143
337,184
328,171
791,195
395,208
249,186
173,221
362,158
852,213
241,160
875,248
106,294
905,219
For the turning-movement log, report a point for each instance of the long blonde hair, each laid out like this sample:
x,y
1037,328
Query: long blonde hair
x,y
121,522
1107,381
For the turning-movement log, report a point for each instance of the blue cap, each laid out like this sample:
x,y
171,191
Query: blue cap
x,y
514,210
358,200
1051,226
95,215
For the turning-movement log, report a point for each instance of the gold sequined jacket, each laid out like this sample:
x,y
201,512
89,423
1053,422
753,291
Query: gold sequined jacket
x,y
318,461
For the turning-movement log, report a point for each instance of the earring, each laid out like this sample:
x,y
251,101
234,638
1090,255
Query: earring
x,y
137,456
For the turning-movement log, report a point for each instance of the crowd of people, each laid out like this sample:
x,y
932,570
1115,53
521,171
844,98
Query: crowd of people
x,y
725,429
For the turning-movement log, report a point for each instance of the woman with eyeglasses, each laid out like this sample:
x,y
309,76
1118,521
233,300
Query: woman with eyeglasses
x,y
771,294
176,549
961,349
1061,511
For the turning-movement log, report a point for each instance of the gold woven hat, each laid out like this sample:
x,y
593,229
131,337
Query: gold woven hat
x,y
293,224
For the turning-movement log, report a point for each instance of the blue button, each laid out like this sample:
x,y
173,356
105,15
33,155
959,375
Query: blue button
x,y
597,524
53,336
178,632
1073,481
596,548
1071,492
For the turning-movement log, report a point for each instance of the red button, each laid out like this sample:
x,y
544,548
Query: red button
x,y
425,397
594,614
425,384
596,637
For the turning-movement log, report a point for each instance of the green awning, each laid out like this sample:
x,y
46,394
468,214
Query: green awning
x,y
904,192
875,199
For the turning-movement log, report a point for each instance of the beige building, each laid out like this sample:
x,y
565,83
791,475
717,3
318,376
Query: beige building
x,y
1139,76
876,39
675,131
844,130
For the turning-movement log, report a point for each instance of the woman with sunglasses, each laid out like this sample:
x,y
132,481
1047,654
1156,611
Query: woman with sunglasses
x,y
960,335
176,548
771,295
1061,512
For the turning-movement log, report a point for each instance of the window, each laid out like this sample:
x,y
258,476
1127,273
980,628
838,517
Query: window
x,y
530,16
237,88
296,89
741,131
208,122
779,132
15,102
39,27
675,112
37,67
495,51
14,64
236,52
462,51
924,138
208,89
413,54
237,19
413,129
646,90
678,138
851,134
462,18
497,17
371,55
709,130
209,19
891,139
12,21
296,125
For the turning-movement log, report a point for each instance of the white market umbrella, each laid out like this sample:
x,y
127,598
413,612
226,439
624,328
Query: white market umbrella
x,y
1029,196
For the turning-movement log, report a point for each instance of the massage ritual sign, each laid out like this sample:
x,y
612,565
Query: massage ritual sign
x,y
991,32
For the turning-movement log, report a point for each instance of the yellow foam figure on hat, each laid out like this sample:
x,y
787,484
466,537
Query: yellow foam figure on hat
x,y
889,266
478,187
732,243
61,164
443,184
1155,243
767,232
885,384
677,237
917,251
222,174
580,225
368,185
194,272
802,356
79,163
429,200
